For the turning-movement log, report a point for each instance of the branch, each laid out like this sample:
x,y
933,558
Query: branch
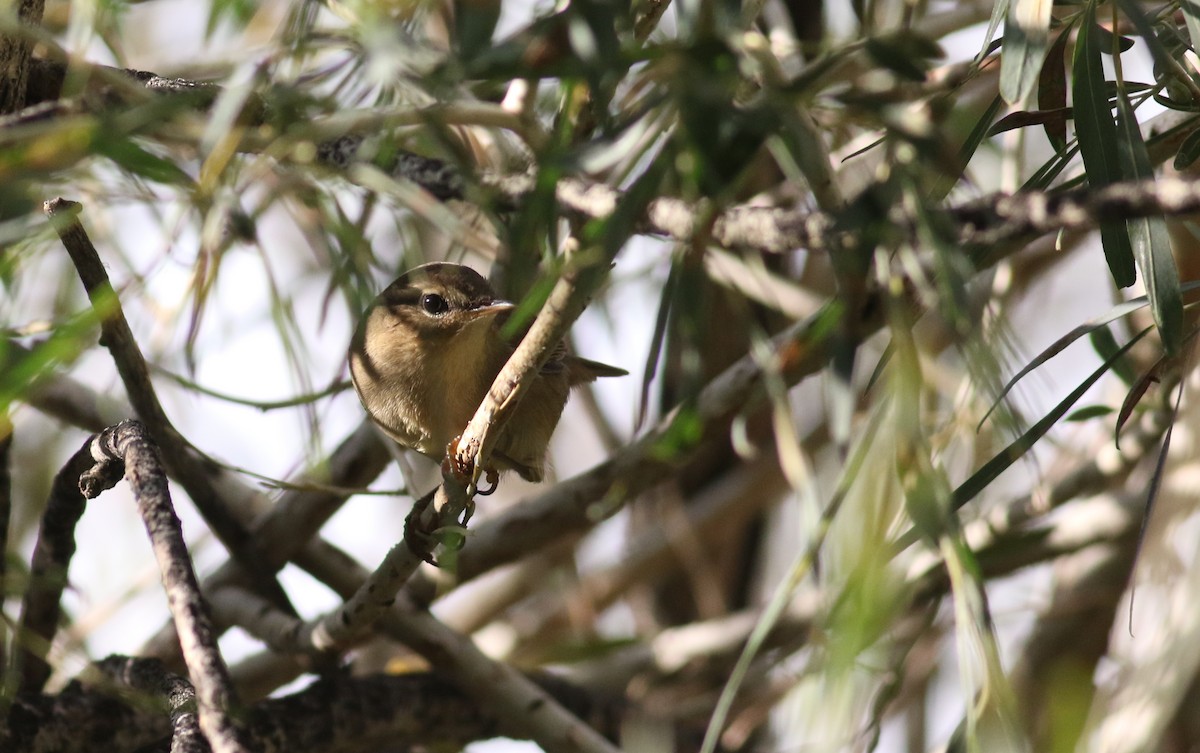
x,y
983,224
151,678
417,710
127,450
996,221
521,707
181,458
41,607
297,517
15,49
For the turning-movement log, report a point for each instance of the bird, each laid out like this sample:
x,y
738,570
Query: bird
x,y
425,354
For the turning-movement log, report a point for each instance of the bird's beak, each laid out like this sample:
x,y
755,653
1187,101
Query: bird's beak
x,y
493,308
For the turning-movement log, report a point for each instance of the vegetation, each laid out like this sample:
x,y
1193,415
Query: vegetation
x,y
905,289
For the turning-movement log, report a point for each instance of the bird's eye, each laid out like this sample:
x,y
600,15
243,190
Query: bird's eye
x,y
434,304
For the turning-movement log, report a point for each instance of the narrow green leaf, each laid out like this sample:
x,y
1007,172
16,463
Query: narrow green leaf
x,y
1087,328
1105,344
1089,412
126,153
657,342
1191,17
1188,152
1026,36
1156,480
1052,88
1050,171
1148,235
1136,392
1019,446
1097,134
1026,118
999,13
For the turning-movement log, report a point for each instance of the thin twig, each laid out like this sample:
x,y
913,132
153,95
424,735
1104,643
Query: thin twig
x,y
339,385
187,464
521,706
297,516
126,450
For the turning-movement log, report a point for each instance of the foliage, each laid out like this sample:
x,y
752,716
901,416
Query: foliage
x,y
819,460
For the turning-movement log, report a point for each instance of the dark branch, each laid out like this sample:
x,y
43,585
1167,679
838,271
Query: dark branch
x,y
15,49
410,712
41,607
150,678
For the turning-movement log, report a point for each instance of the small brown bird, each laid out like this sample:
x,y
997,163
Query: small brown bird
x,y
426,353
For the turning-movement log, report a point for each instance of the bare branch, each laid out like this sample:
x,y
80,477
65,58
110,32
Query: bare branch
x,y
41,607
15,49
150,677
181,458
297,516
997,221
126,450
521,707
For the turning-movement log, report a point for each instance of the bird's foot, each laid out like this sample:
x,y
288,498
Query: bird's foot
x,y
493,478
420,541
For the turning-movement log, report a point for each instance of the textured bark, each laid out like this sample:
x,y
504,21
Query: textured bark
x,y
41,607
418,711
15,50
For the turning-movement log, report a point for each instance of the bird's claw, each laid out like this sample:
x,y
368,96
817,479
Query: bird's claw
x,y
462,467
420,542
493,478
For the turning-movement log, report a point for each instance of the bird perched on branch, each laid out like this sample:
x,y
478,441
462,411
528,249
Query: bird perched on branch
x,y
427,351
